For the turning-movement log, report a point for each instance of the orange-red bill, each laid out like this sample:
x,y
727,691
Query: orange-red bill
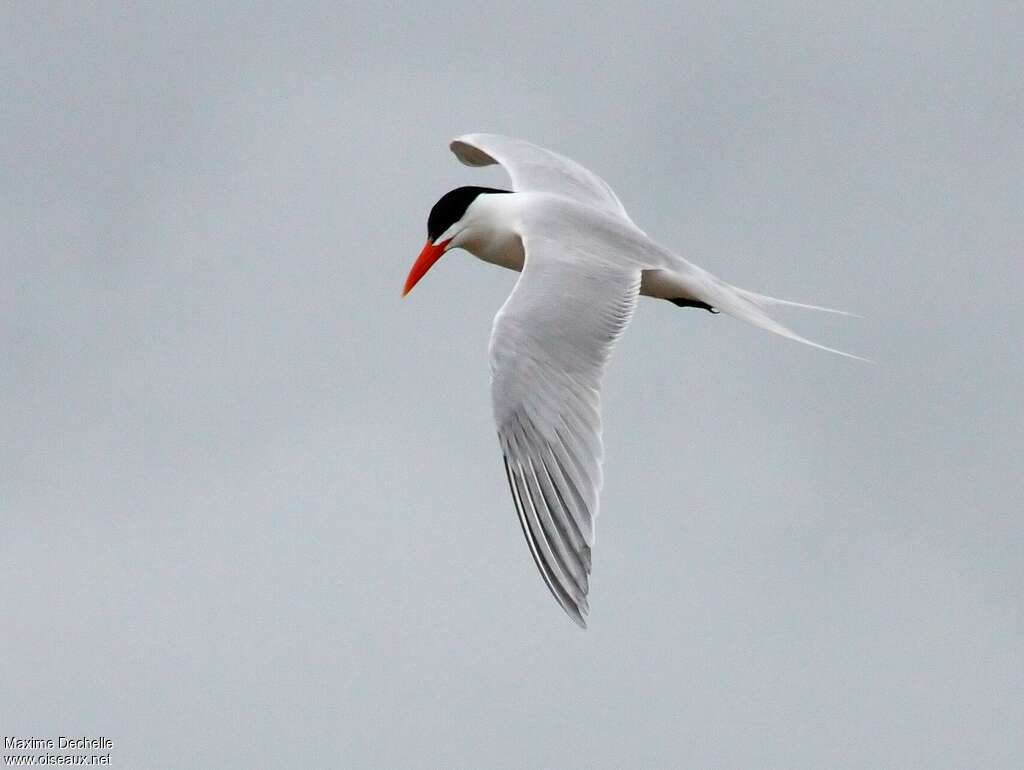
x,y
430,254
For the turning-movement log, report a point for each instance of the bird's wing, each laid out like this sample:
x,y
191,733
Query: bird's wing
x,y
534,169
549,347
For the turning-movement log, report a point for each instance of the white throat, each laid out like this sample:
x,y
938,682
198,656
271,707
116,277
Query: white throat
x,y
488,231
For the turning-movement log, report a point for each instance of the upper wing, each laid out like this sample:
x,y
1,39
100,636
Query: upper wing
x,y
549,347
534,169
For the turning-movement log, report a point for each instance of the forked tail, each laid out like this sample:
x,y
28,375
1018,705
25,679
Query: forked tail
x,y
752,307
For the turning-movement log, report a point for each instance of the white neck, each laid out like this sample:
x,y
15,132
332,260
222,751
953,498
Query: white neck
x,y
488,231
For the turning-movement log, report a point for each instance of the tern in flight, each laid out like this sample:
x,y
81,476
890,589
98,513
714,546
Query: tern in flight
x,y
582,265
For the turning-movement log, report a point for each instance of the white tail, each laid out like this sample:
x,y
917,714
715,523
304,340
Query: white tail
x,y
751,307
764,300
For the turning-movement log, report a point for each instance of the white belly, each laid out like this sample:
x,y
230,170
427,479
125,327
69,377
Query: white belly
x,y
491,237
665,284
508,253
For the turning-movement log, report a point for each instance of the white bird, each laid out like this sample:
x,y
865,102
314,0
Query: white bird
x,y
583,264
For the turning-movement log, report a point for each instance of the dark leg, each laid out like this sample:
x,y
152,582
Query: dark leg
x,y
693,303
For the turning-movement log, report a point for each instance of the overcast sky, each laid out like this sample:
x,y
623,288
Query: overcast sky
x,y
253,508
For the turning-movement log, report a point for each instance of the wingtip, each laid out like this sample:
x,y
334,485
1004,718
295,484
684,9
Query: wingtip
x,y
578,611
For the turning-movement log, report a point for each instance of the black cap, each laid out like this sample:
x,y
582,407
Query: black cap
x,y
450,208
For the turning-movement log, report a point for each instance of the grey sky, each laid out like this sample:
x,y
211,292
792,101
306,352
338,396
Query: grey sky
x,y
254,513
